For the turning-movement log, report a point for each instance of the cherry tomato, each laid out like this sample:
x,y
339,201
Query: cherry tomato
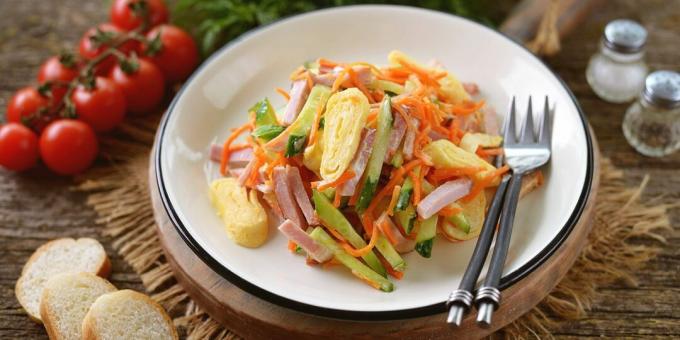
x,y
89,50
102,107
18,147
68,146
53,70
24,103
178,56
125,18
143,89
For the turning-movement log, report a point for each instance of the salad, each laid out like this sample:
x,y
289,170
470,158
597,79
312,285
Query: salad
x,y
363,165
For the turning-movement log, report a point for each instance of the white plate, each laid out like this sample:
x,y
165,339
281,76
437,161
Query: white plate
x,y
220,92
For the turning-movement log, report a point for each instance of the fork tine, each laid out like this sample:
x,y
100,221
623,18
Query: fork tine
x,y
546,126
527,135
509,131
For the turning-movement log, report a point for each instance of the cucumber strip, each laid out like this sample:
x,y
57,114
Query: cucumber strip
x,y
390,254
358,269
460,221
375,162
303,123
264,113
335,219
425,237
406,218
267,132
388,86
397,159
404,195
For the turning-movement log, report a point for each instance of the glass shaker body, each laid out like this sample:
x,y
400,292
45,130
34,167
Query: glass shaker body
x,y
616,77
651,130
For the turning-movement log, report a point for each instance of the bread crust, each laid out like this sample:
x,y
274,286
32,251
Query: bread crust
x,y
89,323
103,271
48,315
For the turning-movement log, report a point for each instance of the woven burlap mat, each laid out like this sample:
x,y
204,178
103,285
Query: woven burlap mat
x,y
118,192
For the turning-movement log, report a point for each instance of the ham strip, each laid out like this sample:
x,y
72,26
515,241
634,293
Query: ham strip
x,y
284,196
435,135
238,158
314,250
403,245
442,196
298,96
471,88
490,121
359,162
398,131
300,194
410,139
243,177
363,74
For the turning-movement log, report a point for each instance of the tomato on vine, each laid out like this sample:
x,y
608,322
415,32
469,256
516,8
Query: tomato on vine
x,y
25,104
18,147
142,83
97,40
128,14
68,146
59,71
174,51
102,106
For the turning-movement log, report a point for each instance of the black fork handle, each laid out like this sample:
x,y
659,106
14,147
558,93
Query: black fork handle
x,y
488,295
461,299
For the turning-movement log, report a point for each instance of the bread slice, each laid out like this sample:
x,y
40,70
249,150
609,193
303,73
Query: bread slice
x,y
127,314
64,255
66,299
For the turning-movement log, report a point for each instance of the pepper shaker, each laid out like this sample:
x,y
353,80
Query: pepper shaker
x,y
617,72
652,124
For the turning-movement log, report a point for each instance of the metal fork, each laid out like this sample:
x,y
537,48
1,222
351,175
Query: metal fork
x,y
523,154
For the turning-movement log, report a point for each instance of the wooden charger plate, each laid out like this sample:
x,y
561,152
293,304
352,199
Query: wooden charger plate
x,y
252,317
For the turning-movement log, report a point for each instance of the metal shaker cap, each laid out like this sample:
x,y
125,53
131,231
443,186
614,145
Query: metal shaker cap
x,y
624,36
662,89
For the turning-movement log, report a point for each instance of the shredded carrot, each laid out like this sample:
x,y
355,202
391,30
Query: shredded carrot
x,y
396,274
292,246
412,164
367,221
372,115
385,229
238,147
259,160
424,75
339,80
365,250
484,182
310,81
467,107
357,192
346,176
280,160
327,63
489,152
449,211
417,187
296,74
393,200
224,161
283,93
337,199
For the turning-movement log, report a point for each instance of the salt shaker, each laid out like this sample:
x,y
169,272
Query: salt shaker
x,y
617,72
652,124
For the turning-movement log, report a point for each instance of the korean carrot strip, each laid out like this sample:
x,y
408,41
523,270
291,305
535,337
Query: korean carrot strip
x,y
292,246
489,152
224,161
337,199
449,211
365,250
481,184
283,93
467,108
346,176
393,200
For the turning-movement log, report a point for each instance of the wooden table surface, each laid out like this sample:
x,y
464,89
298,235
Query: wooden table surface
x,y
37,206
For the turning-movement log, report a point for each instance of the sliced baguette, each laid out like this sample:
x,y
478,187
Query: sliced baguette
x,y
64,255
66,299
127,314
